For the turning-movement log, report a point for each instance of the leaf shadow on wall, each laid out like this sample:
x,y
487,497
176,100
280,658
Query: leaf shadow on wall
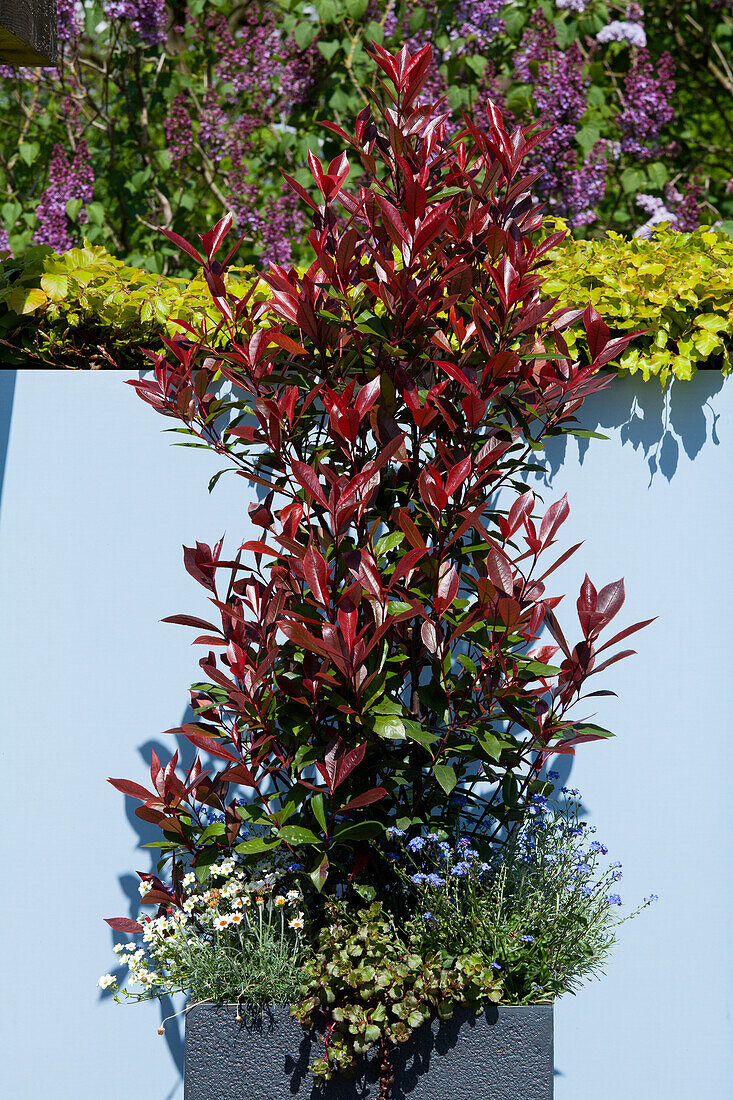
x,y
129,883
7,393
660,423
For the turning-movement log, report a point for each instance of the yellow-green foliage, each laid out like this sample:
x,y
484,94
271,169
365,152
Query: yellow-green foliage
x,y
86,309
679,286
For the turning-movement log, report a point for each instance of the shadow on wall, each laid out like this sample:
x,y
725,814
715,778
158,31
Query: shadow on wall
x,y
658,422
7,392
129,883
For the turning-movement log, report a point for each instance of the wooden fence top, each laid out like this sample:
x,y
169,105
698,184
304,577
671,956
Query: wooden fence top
x,y
28,32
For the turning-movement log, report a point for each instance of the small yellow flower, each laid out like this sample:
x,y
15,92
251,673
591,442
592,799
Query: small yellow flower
x,y
260,900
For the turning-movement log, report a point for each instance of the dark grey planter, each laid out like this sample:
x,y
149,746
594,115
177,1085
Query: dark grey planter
x,y
505,1053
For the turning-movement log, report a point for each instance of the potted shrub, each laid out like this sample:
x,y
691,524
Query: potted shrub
x,y
374,839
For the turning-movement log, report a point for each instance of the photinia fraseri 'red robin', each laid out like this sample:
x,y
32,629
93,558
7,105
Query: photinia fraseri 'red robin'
x,y
376,659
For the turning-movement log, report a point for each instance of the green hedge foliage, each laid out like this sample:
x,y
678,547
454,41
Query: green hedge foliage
x,y
86,309
677,286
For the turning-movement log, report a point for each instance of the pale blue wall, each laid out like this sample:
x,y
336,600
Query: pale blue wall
x,y
95,506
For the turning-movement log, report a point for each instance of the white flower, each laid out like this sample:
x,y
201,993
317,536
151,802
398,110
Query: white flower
x,y
623,31
145,887
222,922
106,981
236,918
297,922
189,905
238,903
189,879
280,901
117,948
293,896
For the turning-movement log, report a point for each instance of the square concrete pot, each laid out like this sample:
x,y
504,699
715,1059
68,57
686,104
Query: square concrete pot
x,y
505,1053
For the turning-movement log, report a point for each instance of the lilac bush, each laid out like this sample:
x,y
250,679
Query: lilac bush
x,y
193,109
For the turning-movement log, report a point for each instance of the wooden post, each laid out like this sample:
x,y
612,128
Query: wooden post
x,y
28,32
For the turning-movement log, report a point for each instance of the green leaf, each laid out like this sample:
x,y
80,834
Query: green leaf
x,y
56,286
296,834
587,728
304,34
356,8
365,830
329,49
446,776
319,810
390,726
258,844
588,136
374,33
398,607
28,151
73,206
320,874
632,180
387,543
584,433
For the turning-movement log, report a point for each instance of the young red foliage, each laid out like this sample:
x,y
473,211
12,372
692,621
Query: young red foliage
x,y
382,648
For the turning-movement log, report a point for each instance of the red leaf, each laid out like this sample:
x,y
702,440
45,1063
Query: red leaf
x,y
316,574
190,620
308,478
183,244
134,790
610,599
625,633
286,343
367,396
363,800
210,745
500,571
457,476
213,237
345,764
556,514
448,586
124,924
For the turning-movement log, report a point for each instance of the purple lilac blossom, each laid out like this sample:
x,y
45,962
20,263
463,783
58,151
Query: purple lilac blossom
x,y
571,189
146,17
577,6
299,73
623,31
688,211
4,243
66,181
179,129
477,21
68,20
